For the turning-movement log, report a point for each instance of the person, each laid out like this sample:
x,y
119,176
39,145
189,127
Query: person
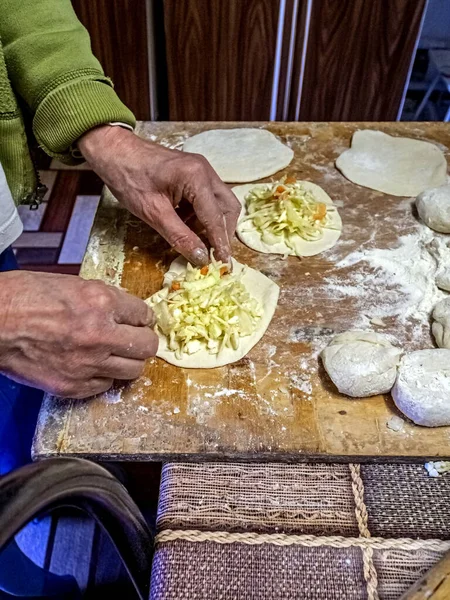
x,y
60,333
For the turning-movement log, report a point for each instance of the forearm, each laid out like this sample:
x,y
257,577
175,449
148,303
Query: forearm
x,y
52,68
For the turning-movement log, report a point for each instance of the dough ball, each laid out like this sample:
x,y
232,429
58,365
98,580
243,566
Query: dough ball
x,y
240,155
361,363
441,325
443,279
433,207
422,388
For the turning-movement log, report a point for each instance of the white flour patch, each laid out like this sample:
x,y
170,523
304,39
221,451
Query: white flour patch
x,y
397,282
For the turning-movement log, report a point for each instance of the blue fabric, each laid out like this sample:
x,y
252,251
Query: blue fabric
x,y
19,407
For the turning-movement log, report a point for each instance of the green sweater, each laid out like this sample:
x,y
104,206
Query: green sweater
x,y
50,79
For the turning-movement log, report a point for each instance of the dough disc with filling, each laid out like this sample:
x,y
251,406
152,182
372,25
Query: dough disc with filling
x,y
441,325
422,389
433,207
361,363
252,238
258,285
239,155
393,165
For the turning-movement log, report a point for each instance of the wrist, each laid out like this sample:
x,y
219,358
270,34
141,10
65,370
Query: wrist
x,y
102,141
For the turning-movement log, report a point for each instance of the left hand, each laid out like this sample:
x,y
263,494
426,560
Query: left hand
x,y
150,180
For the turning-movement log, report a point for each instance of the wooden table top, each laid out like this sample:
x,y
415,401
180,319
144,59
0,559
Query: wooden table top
x,y
276,403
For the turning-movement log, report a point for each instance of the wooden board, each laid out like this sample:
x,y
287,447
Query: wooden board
x,y
277,403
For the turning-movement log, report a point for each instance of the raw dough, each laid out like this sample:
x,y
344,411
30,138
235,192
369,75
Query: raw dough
x,y
433,207
253,240
393,165
361,363
259,286
443,279
422,389
441,325
240,155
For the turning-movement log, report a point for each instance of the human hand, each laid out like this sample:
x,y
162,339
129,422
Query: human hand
x,y
151,180
69,336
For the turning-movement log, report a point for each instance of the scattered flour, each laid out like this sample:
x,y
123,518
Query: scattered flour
x,y
382,273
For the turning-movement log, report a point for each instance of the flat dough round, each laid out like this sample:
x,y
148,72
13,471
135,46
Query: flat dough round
x,y
240,155
258,285
252,238
433,207
393,165
361,363
441,325
422,389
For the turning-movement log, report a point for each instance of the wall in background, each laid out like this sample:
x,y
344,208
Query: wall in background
x,y
436,26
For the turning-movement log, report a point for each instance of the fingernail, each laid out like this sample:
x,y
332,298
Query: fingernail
x,y
200,256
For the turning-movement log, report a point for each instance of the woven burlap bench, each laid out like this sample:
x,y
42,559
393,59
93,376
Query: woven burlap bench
x,y
310,531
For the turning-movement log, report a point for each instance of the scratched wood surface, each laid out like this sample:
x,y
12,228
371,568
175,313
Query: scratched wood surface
x,y
277,403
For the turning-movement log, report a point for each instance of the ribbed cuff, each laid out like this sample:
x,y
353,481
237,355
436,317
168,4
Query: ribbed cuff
x,y
69,111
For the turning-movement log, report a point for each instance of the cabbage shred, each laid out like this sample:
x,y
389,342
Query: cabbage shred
x,y
284,210
206,308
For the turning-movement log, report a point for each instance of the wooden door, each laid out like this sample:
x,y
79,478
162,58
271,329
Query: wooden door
x,y
358,58
119,40
311,60
220,58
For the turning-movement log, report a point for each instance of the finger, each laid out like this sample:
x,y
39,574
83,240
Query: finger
x,y
231,208
121,368
94,386
210,215
134,342
130,310
168,224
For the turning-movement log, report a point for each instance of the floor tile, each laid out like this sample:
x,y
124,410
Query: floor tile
x,y
78,231
38,239
32,219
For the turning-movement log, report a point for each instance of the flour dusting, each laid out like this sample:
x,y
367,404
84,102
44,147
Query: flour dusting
x,y
404,275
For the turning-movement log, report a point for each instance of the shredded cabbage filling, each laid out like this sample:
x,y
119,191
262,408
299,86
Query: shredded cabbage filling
x,y
206,308
283,210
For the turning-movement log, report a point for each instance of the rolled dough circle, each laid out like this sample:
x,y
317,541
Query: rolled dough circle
x,y
393,165
433,207
361,363
258,285
239,155
441,325
422,388
250,236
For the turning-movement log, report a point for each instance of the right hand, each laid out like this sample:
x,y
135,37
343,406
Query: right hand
x,y
69,336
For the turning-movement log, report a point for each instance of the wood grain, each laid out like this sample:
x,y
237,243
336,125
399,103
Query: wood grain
x,y
277,403
358,57
220,58
119,41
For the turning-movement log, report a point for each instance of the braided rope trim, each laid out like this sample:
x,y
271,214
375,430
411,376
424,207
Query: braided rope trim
x,y
309,541
369,570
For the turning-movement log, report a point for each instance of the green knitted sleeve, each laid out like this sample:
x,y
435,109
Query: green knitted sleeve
x,y
51,67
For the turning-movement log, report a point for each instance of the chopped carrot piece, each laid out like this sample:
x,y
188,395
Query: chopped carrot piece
x,y
204,270
290,179
223,270
321,211
175,286
278,191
